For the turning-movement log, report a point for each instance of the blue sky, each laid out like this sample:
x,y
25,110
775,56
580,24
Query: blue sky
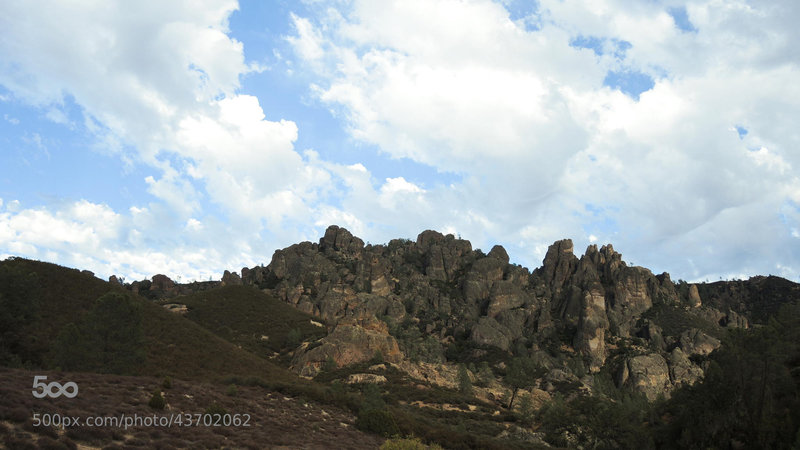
x,y
190,138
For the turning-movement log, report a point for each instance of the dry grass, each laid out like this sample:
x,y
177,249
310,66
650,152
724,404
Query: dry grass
x,y
277,420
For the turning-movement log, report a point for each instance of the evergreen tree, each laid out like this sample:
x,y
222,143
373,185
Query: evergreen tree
x,y
108,340
522,372
19,306
464,383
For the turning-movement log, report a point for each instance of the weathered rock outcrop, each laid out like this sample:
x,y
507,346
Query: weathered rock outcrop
x,y
436,292
648,374
349,343
696,342
231,279
681,369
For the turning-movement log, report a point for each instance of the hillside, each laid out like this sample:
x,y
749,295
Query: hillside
x,y
434,339
173,345
247,317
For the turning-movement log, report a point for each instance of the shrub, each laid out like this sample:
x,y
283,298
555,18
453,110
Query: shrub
x,y
215,410
329,365
157,400
525,410
167,384
232,391
293,338
407,444
378,421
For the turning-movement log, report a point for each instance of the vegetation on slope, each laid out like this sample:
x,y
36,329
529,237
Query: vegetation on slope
x,y
247,317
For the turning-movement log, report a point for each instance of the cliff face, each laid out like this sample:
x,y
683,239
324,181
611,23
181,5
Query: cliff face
x,y
436,299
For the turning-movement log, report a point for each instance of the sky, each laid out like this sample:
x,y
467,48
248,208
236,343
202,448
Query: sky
x,y
191,137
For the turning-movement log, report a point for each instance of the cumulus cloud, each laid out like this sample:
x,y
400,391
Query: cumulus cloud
x,y
546,150
519,109
158,85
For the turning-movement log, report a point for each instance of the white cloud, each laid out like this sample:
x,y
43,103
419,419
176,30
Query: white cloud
x,y
543,150
546,151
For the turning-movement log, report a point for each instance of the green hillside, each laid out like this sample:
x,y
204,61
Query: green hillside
x,y
251,319
43,302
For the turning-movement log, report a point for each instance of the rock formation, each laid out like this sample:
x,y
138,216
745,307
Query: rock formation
x,y
418,299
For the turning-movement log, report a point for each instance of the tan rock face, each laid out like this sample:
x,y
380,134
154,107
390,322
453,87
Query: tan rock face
x,y
694,296
361,378
592,325
444,375
648,374
348,343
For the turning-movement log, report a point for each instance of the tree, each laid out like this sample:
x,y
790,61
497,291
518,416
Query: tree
x,y
526,412
19,306
464,383
522,372
108,340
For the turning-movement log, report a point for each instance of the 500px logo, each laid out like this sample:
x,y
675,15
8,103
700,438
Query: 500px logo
x,y
69,389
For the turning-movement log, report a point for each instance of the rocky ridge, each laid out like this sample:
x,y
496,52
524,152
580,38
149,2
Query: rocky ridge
x,y
437,300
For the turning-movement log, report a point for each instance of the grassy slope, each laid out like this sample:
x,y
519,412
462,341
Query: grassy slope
x,y
175,346
243,315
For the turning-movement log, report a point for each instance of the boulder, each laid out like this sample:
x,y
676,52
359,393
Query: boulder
x,y
489,332
162,283
349,343
681,369
648,374
696,342
364,378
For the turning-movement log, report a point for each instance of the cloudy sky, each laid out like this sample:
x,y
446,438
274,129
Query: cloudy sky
x,y
189,137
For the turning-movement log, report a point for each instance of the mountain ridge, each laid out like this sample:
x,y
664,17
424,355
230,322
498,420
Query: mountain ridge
x,y
435,339
464,303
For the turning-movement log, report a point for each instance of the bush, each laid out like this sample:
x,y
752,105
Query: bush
x,y
407,444
215,410
329,365
525,410
232,391
157,400
167,384
378,421
293,338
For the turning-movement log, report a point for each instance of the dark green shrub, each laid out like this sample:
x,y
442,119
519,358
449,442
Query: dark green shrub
x,y
157,400
216,409
464,383
293,338
378,421
167,384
